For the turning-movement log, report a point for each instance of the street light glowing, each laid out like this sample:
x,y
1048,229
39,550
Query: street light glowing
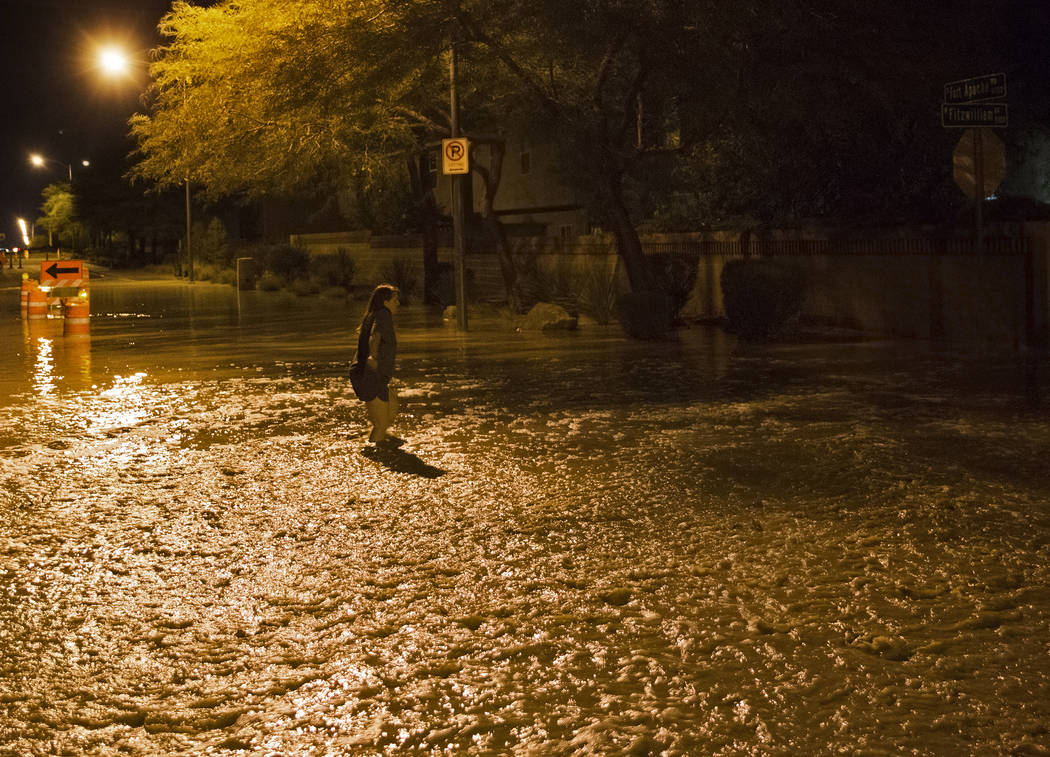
x,y
113,61
39,160
25,231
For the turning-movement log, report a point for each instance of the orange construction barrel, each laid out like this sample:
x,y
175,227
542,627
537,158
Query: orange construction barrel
x,y
27,286
37,304
78,317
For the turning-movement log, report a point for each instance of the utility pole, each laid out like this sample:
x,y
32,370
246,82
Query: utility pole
x,y
189,246
457,204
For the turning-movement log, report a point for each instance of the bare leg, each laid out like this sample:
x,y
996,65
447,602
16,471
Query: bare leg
x,y
378,414
393,406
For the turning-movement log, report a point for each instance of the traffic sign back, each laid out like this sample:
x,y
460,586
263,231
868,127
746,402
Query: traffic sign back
x,y
993,162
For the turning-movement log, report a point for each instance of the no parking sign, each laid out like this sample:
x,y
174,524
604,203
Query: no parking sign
x,y
455,154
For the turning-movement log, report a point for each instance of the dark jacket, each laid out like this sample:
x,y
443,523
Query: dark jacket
x,y
383,322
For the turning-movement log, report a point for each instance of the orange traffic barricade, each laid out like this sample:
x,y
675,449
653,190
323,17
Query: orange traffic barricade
x,y
37,304
77,317
27,286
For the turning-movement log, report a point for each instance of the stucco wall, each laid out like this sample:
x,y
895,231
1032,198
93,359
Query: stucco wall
x,y
932,295
927,297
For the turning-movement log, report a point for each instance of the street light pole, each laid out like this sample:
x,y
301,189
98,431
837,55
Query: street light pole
x,y
39,161
189,245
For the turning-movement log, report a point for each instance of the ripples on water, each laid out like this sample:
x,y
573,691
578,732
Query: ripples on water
x,y
587,546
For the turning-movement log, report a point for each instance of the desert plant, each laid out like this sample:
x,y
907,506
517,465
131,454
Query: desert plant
x,y
597,291
270,282
334,270
557,283
761,295
210,244
334,293
286,261
304,287
203,271
675,276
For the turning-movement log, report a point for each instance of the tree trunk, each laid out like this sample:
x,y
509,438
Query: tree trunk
x,y
512,278
628,244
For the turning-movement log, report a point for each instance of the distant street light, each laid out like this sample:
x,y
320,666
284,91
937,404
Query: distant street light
x,y
25,232
114,63
40,161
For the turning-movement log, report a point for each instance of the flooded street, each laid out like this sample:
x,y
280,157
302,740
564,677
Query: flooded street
x,y
587,546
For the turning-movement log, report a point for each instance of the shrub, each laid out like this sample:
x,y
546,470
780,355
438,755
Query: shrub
x,y
334,270
399,272
675,276
270,282
225,276
210,244
288,262
334,293
205,271
598,291
557,284
761,295
304,287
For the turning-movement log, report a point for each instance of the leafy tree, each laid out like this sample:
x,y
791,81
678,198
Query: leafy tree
x,y
772,109
268,97
834,113
59,216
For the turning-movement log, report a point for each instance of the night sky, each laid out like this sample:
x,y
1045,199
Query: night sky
x,y
54,100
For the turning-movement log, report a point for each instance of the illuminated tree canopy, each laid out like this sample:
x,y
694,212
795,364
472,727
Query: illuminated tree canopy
x,y
769,108
262,97
58,210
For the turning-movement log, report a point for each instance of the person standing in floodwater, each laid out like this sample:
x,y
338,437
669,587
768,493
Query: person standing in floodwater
x,y
373,364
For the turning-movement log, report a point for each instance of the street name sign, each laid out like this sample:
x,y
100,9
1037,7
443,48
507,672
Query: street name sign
x,y
989,87
455,154
973,115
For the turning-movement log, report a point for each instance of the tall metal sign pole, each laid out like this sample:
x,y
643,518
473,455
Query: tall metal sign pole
x,y
457,195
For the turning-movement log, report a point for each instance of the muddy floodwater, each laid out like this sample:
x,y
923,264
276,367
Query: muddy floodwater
x,y
587,545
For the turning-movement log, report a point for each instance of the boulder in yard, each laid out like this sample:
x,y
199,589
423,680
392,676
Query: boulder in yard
x,y
546,316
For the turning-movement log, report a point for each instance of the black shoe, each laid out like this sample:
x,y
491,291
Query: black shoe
x,y
390,442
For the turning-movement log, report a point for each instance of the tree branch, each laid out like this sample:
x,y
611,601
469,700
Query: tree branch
x,y
530,81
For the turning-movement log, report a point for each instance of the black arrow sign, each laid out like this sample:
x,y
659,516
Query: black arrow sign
x,y
54,270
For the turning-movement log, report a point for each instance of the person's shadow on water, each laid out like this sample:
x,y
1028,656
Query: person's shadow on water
x,y
400,461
